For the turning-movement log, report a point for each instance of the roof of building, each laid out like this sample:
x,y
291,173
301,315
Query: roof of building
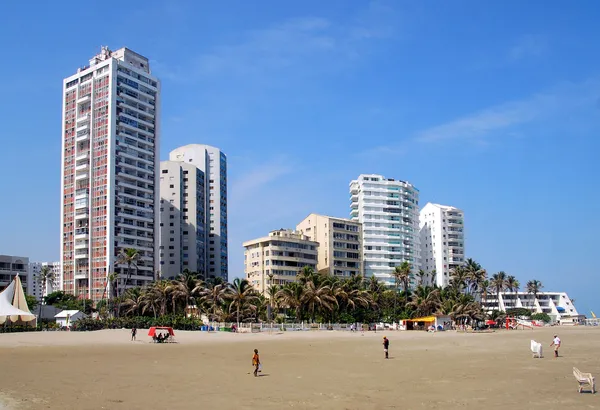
x,y
66,313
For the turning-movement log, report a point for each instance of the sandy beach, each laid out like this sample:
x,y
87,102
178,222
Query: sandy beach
x,y
308,370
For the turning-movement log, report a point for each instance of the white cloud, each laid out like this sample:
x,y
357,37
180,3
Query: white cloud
x,y
554,103
301,45
254,182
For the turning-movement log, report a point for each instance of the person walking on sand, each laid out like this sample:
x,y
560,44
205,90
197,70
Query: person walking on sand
x,y
256,362
556,344
133,334
386,346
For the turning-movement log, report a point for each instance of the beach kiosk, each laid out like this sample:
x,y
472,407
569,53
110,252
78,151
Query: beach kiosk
x,y
433,323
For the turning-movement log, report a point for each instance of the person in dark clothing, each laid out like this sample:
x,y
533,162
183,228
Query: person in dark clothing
x,y
386,346
133,334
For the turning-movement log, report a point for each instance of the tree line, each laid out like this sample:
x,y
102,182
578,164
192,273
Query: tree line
x,y
312,297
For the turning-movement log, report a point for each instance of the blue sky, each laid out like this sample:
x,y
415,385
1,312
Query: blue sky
x,y
493,107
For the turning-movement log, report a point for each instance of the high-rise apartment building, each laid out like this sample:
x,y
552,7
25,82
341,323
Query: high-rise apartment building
x,y
278,258
110,146
182,219
340,244
442,242
389,212
213,163
37,290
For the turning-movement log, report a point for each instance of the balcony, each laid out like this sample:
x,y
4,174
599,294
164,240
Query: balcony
x,y
84,99
82,202
82,193
82,245
83,134
85,118
85,155
82,233
81,275
455,222
82,167
82,213
82,255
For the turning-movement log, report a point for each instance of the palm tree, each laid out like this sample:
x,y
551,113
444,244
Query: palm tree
x,y
534,286
307,274
512,285
425,301
458,278
485,288
290,296
475,275
421,275
129,257
212,297
317,296
401,274
46,275
242,295
161,291
498,282
183,287
133,301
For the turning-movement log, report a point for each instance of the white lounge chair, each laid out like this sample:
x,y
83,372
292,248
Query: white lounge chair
x,y
583,379
536,349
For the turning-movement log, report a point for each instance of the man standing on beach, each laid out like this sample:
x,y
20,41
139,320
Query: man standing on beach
x,y
556,344
133,334
256,362
386,346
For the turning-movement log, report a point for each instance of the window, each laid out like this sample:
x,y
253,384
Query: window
x,y
171,247
171,186
164,171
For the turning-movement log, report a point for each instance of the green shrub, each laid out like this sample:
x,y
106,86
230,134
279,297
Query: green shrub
x,y
177,322
544,317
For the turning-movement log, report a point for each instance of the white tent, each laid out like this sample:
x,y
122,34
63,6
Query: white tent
x,y
13,305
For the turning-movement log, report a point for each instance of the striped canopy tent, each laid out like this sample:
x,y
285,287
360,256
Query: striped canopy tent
x,y
13,305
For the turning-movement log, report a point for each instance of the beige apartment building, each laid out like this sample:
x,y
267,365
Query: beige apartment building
x,y
340,244
276,259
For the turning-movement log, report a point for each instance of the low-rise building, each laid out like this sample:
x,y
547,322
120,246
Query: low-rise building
x,y
67,318
557,305
10,266
340,244
276,259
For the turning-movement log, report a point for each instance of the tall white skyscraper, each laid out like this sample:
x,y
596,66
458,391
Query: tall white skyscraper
x,y
389,212
110,145
213,163
183,233
442,241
